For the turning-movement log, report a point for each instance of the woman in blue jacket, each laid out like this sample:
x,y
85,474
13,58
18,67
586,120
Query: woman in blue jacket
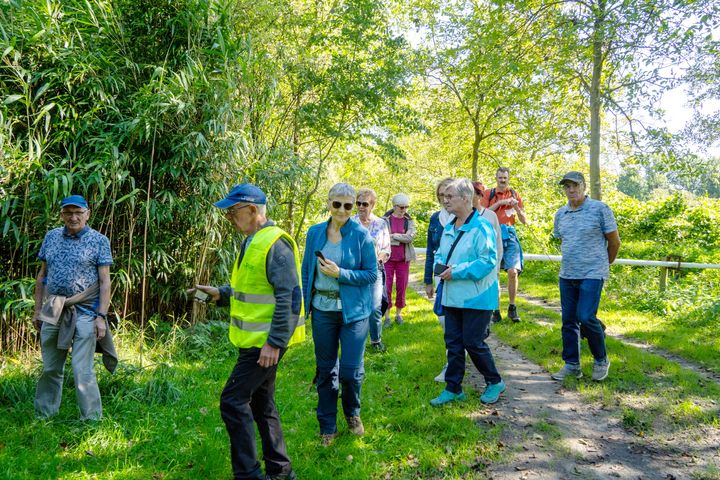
x,y
338,270
469,294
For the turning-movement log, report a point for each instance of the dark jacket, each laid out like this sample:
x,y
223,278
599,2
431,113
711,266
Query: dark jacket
x,y
434,234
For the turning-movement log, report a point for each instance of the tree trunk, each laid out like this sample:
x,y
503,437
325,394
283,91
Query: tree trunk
x,y
595,100
475,154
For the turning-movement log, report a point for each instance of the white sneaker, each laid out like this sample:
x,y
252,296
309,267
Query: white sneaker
x,y
441,375
567,371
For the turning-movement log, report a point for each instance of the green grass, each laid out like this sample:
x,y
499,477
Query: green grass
x,y
693,337
648,392
162,421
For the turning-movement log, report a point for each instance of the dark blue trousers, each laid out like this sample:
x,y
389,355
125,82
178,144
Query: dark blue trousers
x,y
466,330
249,398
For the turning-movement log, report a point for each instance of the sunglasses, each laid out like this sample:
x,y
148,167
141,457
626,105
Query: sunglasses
x,y
232,211
362,204
336,205
402,207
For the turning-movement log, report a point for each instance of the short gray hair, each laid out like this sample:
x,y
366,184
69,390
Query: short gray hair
x,y
464,189
401,199
341,190
367,192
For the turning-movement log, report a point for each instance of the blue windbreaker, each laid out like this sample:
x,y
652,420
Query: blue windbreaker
x,y
474,281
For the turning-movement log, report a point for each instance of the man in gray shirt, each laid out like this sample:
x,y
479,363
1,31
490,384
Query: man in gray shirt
x,y
590,243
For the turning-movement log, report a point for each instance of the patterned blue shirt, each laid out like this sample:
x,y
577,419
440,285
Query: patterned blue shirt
x,y
73,261
584,247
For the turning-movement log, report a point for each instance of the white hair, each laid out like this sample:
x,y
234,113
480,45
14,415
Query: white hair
x,y
341,190
401,199
464,189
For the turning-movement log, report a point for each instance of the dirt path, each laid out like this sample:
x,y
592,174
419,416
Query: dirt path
x,y
552,433
687,364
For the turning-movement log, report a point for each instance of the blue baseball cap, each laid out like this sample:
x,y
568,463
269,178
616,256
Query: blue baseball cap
x,y
76,200
245,192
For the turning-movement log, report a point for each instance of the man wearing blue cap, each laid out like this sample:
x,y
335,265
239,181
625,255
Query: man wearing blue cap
x,y
72,296
266,316
590,243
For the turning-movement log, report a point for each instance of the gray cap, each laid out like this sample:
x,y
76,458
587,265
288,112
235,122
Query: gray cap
x,y
575,177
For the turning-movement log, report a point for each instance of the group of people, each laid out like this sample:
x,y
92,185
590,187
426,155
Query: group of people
x,y
343,281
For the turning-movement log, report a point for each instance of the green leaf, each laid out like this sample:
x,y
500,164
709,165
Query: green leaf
x,y
12,98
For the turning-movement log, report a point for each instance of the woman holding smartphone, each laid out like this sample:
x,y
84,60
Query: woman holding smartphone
x,y
338,269
466,262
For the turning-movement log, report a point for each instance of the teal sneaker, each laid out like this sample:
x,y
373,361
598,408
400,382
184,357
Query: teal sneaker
x,y
492,392
447,397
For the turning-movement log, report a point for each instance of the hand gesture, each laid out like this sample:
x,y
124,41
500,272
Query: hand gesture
x,y
329,268
447,274
214,292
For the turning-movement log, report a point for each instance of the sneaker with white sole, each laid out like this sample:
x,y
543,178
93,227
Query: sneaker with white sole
x,y
567,371
601,370
492,392
447,397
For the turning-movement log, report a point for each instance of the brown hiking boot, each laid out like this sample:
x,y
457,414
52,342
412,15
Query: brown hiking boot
x,y
326,439
355,425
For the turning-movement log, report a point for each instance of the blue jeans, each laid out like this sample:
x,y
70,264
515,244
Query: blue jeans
x,y
580,300
377,295
466,330
329,333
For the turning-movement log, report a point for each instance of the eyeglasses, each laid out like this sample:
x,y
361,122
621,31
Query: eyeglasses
x,y
336,205
402,207
231,211
74,213
362,204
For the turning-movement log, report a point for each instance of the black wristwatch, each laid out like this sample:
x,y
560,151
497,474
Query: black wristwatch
x,y
101,315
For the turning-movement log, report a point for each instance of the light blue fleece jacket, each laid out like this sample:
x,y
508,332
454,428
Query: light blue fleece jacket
x,y
358,268
474,263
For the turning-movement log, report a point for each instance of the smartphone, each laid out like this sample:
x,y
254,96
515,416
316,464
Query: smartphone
x,y
201,296
439,268
319,254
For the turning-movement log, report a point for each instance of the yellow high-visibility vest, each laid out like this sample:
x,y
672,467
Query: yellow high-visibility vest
x,y
253,299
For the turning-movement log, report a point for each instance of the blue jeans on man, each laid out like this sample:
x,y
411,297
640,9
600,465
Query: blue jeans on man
x,y
329,333
580,299
466,330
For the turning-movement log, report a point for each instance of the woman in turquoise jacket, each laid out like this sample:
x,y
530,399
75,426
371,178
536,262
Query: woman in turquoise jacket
x,y
470,293
339,269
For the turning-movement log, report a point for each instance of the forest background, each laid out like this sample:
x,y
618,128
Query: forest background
x,y
152,110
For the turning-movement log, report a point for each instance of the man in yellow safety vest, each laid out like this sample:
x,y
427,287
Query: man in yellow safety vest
x,y
266,316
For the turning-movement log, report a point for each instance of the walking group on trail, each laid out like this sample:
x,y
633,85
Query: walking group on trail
x,y
343,283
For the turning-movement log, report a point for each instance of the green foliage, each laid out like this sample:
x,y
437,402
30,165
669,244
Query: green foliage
x,y
162,419
152,111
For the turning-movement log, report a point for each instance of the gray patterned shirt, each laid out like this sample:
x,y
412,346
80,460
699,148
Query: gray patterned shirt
x,y
584,247
73,261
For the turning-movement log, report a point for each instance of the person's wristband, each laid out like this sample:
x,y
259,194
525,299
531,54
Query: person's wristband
x,y
101,315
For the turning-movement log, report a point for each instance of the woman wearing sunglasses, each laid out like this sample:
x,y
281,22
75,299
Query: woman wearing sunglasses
x,y
338,270
402,252
366,198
